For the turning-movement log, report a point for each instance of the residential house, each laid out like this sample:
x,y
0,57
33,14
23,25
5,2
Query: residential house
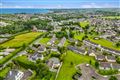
x,y
91,53
36,56
52,41
41,48
110,59
62,42
105,66
53,63
14,75
77,50
116,66
100,57
27,74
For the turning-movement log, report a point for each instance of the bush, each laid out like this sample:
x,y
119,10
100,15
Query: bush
x,y
108,72
113,78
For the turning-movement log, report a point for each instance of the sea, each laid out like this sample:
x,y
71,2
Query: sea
x,y
21,10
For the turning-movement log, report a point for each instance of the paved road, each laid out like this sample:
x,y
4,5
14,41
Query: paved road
x,y
88,72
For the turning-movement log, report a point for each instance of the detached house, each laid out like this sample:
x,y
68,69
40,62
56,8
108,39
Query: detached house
x,y
105,66
53,63
14,75
110,59
100,57
62,42
52,41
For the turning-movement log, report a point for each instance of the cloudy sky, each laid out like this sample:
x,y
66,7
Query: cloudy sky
x,y
59,3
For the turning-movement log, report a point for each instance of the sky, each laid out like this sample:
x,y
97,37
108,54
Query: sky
x,y
59,3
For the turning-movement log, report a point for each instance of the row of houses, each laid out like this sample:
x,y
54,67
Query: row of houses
x,y
108,66
87,42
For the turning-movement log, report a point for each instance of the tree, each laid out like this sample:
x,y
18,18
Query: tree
x,y
90,61
113,78
96,64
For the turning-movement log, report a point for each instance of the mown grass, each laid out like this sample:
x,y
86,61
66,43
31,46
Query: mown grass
x,y
4,72
67,70
44,41
19,40
105,43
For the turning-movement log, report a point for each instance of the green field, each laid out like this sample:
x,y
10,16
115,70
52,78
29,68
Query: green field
x,y
67,70
105,43
4,72
21,39
44,40
79,37
83,24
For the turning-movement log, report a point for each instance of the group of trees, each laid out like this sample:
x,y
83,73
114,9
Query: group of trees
x,y
19,26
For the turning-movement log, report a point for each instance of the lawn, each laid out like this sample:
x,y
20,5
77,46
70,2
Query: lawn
x,y
67,70
105,43
84,23
21,39
79,37
4,72
44,40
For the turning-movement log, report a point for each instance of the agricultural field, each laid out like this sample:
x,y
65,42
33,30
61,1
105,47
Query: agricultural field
x,y
19,40
68,69
105,43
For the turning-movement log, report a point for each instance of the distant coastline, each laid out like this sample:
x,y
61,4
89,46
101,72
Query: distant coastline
x,y
23,10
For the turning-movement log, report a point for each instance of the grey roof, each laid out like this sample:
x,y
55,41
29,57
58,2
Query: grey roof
x,y
76,49
26,75
100,57
41,48
111,58
115,66
105,64
11,75
52,40
62,41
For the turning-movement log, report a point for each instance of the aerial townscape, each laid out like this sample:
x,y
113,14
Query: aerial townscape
x,y
60,44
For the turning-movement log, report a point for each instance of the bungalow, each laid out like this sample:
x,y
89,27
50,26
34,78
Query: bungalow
x,y
53,63
100,57
52,41
4,53
14,75
27,74
41,48
116,66
54,49
91,53
62,42
36,56
110,59
77,50
105,66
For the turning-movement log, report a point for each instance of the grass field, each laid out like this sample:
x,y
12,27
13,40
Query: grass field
x,y
21,39
4,72
67,70
44,40
79,37
105,43
83,24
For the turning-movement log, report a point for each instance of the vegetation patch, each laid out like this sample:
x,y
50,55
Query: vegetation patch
x,y
19,40
69,62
